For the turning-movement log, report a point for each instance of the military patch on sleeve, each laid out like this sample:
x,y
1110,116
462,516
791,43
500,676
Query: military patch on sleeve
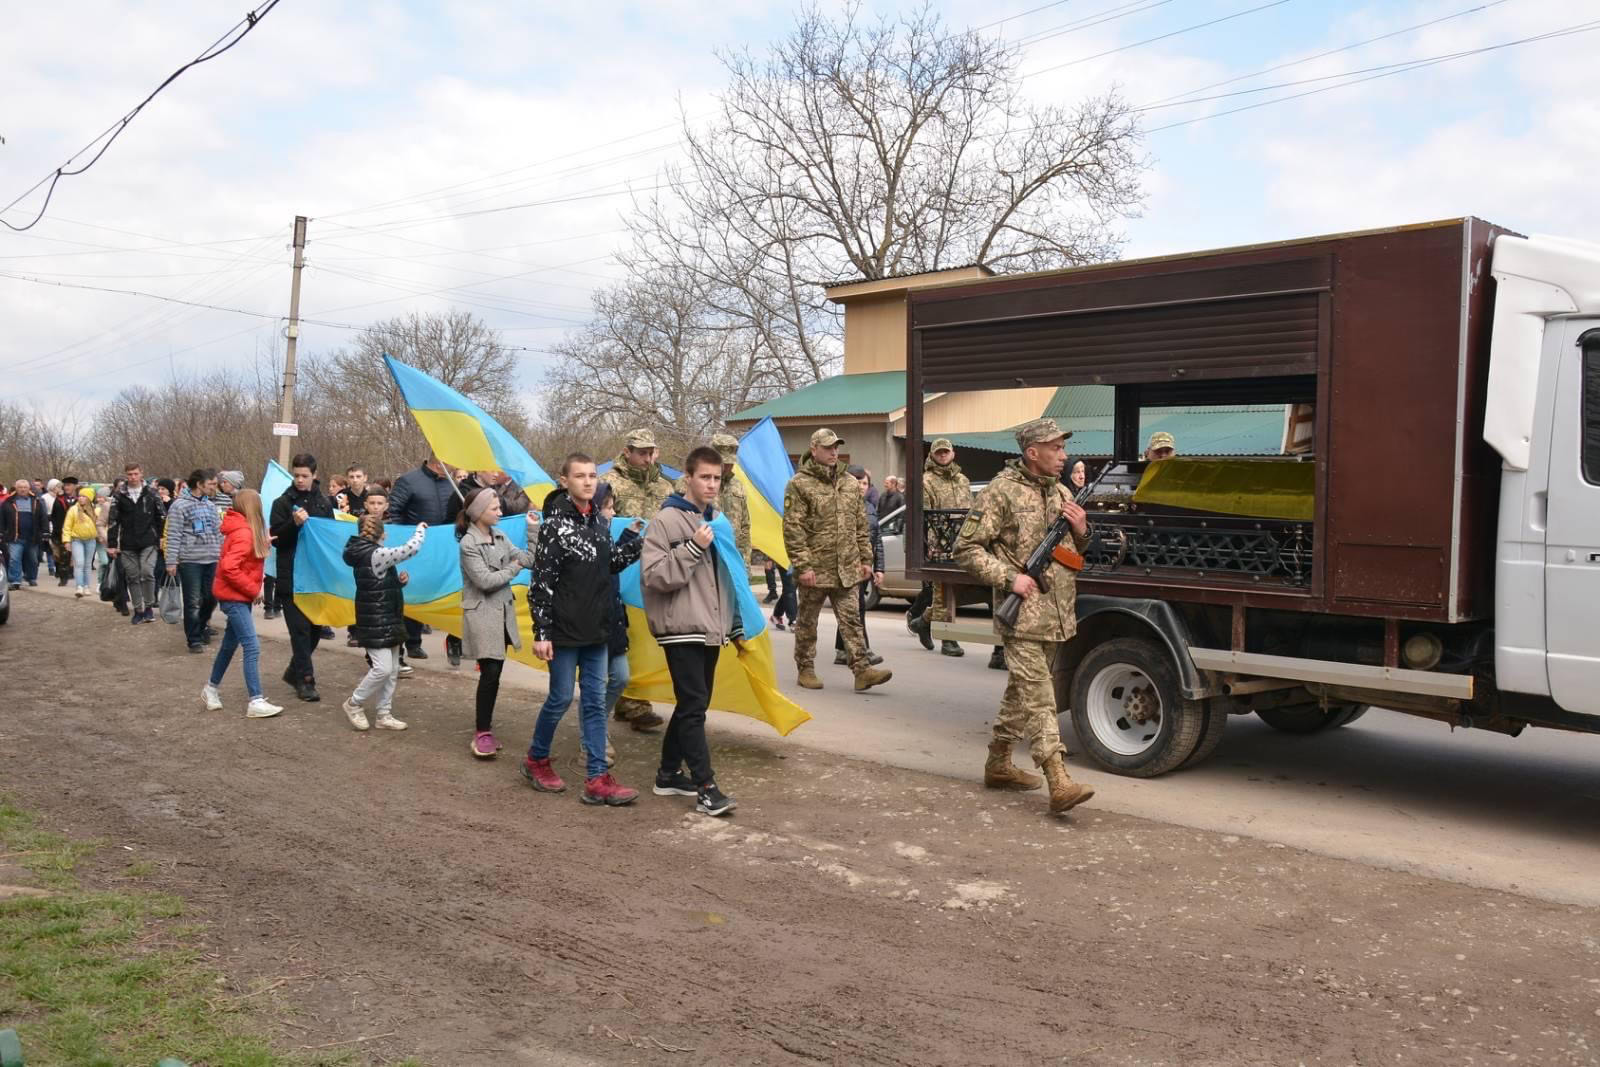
x,y
970,527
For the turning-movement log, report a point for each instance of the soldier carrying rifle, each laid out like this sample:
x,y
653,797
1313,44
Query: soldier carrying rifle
x,y
1008,521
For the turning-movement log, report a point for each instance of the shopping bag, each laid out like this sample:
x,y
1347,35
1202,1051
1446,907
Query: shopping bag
x,y
110,582
170,599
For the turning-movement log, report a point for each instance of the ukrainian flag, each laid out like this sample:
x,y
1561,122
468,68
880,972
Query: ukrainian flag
x,y
463,435
764,467
325,589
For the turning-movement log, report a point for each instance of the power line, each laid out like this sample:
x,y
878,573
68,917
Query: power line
x,y
135,292
1161,37
1087,22
112,132
1567,31
1329,52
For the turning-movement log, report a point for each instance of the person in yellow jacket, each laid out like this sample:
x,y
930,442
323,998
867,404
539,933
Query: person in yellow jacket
x,y
82,537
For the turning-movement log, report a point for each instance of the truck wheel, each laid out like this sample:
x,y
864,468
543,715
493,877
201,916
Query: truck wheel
x,y
1311,718
1217,709
874,595
1128,712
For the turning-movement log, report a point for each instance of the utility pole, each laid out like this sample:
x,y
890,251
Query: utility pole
x,y
286,403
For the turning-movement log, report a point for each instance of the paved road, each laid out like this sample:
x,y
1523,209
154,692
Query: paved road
x,y
1399,792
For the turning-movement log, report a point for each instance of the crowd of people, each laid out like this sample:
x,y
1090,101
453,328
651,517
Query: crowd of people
x,y
206,542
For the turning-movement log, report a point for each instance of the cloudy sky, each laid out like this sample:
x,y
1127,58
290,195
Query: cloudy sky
x,y
380,120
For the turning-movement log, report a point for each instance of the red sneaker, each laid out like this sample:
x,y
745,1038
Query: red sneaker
x,y
539,774
604,789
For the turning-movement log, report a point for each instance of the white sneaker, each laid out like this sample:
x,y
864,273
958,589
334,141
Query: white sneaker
x,y
261,708
406,670
357,717
212,696
387,721
79,593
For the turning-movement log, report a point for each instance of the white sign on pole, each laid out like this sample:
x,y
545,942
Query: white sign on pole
x,y
286,429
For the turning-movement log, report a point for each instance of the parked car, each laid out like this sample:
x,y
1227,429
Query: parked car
x,y
896,585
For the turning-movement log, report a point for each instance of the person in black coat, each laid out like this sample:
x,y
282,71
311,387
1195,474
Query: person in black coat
x,y
301,501
571,603
22,529
380,619
424,495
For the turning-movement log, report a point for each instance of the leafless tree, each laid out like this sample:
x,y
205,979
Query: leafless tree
x,y
359,414
659,354
33,445
869,149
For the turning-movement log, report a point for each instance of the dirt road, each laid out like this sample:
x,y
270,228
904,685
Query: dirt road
x,y
848,913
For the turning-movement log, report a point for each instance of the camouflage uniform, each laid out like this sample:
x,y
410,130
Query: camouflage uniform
x,y
825,532
1006,523
640,491
943,488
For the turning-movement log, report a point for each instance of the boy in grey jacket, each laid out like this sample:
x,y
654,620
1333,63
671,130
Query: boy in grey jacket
x,y
692,613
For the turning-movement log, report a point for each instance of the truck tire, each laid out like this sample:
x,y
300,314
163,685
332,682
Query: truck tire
x,y
874,597
1311,718
1124,678
1217,710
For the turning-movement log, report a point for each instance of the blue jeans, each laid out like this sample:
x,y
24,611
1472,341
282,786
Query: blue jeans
x,y
24,557
83,561
616,680
198,603
241,633
588,662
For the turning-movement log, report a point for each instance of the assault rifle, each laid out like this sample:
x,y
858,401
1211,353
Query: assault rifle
x,y
1050,549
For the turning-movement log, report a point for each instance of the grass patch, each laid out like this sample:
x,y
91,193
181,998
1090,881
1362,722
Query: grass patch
x,y
110,979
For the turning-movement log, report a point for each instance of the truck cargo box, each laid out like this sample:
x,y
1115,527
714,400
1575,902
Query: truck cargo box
x,y
1381,337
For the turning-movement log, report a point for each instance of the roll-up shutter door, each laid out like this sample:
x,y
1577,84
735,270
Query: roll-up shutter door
x,y
1254,337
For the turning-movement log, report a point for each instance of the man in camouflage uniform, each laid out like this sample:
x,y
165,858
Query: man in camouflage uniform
x,y
731,500
825,533
639,488
944,488
1006,523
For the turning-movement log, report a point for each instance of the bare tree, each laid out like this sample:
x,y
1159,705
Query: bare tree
x,y
659,354
873,149
359,414
33,445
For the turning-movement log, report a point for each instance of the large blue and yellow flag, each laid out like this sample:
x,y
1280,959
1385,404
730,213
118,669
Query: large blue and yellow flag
x,y
325,589
764,467
464,435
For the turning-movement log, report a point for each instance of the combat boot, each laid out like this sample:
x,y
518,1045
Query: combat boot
x,y
951,648
1065,794
808,679
872,676
1000,773
997,659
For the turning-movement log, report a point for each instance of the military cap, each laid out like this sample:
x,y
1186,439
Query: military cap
x,y
825,438
727,444
943,445
641,438
1039,431
856,470
1162,439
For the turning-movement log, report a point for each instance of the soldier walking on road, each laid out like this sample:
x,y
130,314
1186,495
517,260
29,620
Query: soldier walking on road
x,y
1006,523
944,488
639,489
825,533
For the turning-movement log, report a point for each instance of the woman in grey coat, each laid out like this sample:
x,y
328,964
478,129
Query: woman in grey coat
x,y
489,563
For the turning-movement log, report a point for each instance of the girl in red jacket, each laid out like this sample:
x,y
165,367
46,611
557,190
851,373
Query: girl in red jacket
x,y
236,587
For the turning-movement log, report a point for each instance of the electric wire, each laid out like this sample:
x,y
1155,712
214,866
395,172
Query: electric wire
x,y
112,132
1162,37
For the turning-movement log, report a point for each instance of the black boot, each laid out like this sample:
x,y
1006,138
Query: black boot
x,y
923,628
951,648
306,689
997,659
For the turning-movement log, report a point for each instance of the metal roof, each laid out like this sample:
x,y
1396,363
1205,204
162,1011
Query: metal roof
x,y
877,393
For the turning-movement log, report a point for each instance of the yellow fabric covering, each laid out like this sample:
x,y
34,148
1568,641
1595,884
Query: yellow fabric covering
x,y
1253,488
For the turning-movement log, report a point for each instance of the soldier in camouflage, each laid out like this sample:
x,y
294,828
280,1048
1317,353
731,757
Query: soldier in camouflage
x,y
825,533
731,500
944,488
1006,523
639,488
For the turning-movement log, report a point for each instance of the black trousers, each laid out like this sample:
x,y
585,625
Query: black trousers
x,y
488,691
304,636
693,667
788,601
923,602
413,635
